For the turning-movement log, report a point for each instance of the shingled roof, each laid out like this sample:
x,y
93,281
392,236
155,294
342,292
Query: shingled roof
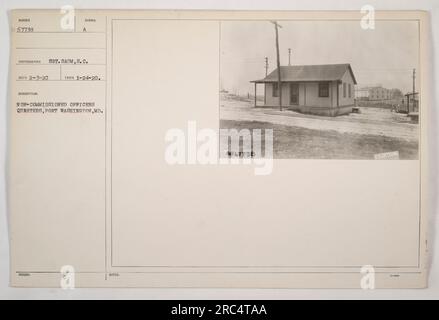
x,y
323,72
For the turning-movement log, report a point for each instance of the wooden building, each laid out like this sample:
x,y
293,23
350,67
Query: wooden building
x,y
316,89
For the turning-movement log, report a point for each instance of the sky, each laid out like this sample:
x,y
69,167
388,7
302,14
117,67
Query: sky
x,y
384,56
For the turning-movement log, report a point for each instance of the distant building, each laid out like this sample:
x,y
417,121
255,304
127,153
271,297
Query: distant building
x,y
362,93
317,89
380,93
374,93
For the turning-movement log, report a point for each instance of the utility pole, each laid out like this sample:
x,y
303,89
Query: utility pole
x,y
265,85
266,66
279,84
414,79
414,90
289,56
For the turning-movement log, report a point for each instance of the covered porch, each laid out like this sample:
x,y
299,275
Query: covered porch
x,y
320,98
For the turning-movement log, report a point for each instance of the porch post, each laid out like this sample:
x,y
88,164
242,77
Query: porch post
x,y
304,94
255,94
331,94
338,94
265,94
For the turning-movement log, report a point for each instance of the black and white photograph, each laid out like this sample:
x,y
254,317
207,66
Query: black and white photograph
x,y
241,153
343,91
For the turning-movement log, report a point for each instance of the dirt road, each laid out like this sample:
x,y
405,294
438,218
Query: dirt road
x,y
372,121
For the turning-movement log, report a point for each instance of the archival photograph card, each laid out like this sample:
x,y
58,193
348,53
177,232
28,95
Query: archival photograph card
x,y
235,149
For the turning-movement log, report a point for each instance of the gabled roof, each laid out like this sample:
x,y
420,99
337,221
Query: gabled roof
x,y
323,72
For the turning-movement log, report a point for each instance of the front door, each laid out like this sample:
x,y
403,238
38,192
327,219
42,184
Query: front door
x,y
294,93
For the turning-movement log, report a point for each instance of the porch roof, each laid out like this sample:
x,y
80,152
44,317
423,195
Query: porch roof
x,y
323,72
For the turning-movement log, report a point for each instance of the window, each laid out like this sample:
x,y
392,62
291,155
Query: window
x,y
349,90
323,89
344,89
275,89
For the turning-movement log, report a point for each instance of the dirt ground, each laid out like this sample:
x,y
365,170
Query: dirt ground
x,y
354,136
